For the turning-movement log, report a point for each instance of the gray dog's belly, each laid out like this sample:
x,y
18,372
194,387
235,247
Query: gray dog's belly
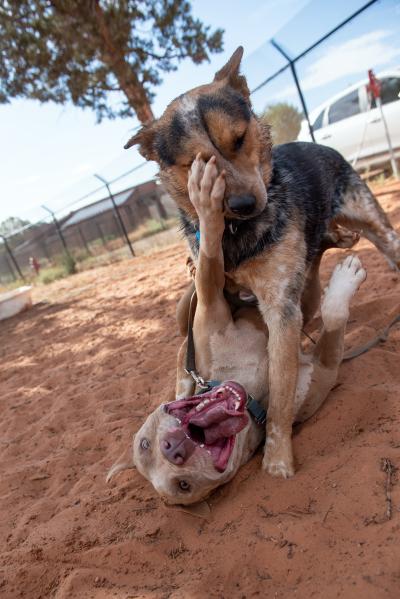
x,y
239,353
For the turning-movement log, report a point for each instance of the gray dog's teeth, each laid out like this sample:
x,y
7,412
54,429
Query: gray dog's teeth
x,y
202,404
235,393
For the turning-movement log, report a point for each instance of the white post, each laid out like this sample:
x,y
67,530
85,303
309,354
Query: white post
x,y
392,157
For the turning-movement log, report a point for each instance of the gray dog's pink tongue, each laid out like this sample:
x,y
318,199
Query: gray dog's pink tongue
x,y
213,419
213,415
225,429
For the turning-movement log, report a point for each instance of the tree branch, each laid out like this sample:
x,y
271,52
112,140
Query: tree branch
x,y
126,77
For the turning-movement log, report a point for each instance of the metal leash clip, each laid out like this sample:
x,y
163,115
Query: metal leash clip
x,y
198,379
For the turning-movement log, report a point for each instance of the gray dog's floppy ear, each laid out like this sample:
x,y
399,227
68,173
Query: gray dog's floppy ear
x,y
230,72
118,467
124,462
145,140
201,509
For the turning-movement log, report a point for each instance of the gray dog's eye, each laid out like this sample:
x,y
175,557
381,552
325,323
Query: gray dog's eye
x,y
144,444
184,486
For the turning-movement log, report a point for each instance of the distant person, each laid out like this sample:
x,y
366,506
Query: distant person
x,y
34,264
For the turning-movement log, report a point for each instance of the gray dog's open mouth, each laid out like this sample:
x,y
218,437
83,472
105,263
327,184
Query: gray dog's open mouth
x,y
213,419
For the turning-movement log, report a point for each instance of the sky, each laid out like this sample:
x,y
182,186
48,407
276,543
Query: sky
x,y
51,152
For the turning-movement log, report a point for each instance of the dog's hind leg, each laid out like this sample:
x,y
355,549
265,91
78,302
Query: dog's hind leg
x,y
318,375
360,210
336,237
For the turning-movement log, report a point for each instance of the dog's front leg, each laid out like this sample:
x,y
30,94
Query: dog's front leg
x,y
284,325
277,279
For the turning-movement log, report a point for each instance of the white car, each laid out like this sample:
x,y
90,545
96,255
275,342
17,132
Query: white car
x,y
352,124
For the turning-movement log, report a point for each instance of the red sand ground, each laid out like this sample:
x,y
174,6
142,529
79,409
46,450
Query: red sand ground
x,y
79,373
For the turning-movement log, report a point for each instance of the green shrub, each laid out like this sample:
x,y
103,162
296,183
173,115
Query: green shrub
x,y
48,275
153,226
69,264
81,255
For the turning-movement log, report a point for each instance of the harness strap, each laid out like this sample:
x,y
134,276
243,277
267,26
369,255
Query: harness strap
x,y
190,366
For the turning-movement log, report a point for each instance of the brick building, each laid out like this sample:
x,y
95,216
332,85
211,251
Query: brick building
x,y
136,205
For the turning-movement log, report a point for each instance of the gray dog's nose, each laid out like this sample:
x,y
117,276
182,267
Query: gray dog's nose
x,y
242,204
177,447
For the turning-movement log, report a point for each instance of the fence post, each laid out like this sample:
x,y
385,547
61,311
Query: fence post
x,y
117,214
13,259
83,240
60,233
101,234
297,83
10,268
42,244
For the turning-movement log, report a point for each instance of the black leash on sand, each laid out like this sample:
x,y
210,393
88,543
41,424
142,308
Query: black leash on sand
x,y
380,338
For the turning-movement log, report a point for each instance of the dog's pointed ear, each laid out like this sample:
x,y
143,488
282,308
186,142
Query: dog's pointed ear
x,y
144,138
230,72
231,68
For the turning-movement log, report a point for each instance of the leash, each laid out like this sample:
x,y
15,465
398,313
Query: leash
x,y
190,366
380,338
254,408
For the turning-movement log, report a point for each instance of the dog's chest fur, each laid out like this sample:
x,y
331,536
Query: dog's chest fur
x,y
307,186
239,353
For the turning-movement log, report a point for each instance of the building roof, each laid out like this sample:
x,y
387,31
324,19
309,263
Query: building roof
x,y
97,208
105,204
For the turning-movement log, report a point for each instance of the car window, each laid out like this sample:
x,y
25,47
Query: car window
x,y
389,92
318,121
345,107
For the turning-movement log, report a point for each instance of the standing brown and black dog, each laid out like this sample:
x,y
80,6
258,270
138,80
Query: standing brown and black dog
x,y
279,204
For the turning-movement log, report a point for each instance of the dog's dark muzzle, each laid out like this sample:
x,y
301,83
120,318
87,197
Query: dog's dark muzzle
x,y
241,205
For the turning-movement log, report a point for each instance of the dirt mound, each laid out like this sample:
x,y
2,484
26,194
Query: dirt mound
x,y
78,374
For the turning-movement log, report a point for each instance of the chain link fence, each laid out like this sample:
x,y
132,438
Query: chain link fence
x,y
313,57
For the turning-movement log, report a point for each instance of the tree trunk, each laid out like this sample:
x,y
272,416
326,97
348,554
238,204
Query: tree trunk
x,y
127,79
